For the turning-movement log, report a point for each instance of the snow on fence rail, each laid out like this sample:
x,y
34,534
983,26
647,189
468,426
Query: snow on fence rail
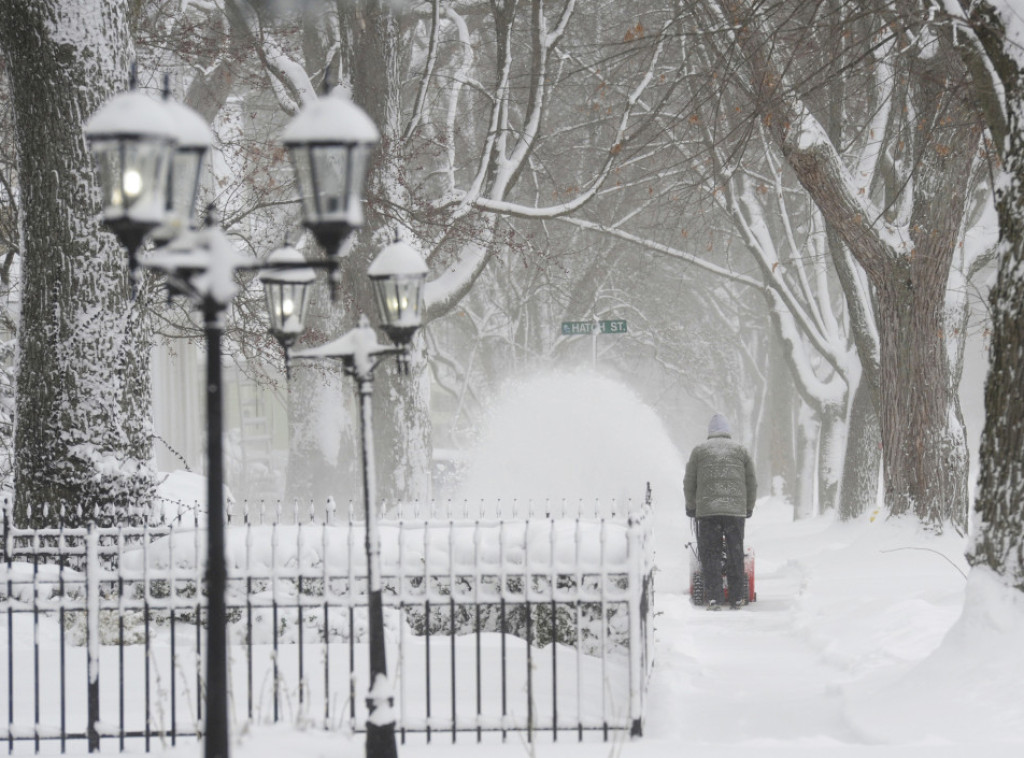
x,y
522,617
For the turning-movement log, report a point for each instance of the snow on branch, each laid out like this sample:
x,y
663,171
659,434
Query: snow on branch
x,y
663,249
633,99
428,69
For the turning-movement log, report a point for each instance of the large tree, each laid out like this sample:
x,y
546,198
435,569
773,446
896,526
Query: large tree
x,y
82,440
989,37
906,247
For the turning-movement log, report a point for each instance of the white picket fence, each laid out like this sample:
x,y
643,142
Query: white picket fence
x,y
515,617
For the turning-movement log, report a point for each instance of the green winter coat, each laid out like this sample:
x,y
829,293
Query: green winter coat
x,y
720,479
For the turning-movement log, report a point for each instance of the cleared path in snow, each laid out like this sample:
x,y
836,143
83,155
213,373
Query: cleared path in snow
x,y
842,610
742,677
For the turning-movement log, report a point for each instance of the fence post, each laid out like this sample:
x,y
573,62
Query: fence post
x,y
635,644
92,622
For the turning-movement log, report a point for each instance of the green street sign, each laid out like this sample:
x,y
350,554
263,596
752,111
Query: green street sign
x,y
571,328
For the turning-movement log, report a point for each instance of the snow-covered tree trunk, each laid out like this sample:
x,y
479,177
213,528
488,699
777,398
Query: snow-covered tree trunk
x,y
82,440
324,451
401,403
924,449
997,64
807,461
831,453
776,462
861,467
323,436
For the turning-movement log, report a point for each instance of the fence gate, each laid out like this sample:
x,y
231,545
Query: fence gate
x,y
498,618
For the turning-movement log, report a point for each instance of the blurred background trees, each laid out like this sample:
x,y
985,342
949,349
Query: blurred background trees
x,y
751,198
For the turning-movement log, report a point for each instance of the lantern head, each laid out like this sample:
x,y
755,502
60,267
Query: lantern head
x,y
132,140
287,288
330,142
398,275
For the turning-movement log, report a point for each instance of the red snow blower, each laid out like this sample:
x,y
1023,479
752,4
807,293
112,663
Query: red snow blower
x,y
697,591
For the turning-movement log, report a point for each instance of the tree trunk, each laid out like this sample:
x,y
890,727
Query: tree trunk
x,y
807,458
82,442
859,490
776,464
925,460
831,449
405,440
999,542
323,437
324,455
401,403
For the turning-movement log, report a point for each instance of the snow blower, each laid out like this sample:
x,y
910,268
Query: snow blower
x,y
697,591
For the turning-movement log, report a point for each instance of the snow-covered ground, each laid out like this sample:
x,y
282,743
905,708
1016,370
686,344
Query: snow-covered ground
x,y
868,638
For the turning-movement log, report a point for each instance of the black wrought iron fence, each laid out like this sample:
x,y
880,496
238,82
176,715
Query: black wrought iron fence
x,y
499,618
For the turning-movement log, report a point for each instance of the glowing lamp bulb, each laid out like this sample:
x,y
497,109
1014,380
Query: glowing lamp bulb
x,y
132,183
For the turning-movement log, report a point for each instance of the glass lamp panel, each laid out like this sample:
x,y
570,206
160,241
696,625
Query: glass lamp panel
x,y
133,177
305,179
287,303
183,185
400,301
107,155
144,178
331,164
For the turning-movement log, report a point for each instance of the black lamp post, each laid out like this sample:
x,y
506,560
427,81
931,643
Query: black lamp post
x,y
206,274
398,275
136,141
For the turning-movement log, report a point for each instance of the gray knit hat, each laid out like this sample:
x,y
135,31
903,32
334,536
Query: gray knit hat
x,y
719,426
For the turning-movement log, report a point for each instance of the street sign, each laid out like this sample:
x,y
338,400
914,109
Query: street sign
x,y
570,328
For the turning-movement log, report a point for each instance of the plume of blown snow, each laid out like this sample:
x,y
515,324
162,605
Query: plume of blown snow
x,y
572,435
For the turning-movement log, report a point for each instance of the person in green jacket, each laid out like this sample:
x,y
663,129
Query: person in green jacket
x,y
720,488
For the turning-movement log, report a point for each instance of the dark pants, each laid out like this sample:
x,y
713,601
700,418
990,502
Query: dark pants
x,y
709,546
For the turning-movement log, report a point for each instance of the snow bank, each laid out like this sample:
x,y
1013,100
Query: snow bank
x,y
906,580
968,691
866,639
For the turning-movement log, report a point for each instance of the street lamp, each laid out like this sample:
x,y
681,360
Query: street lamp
x,y
398,275
133,139
330,142
194,139
287,285
206,274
